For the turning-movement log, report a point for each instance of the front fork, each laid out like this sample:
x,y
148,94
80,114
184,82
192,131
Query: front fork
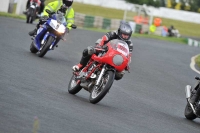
x,y
45,39
101,75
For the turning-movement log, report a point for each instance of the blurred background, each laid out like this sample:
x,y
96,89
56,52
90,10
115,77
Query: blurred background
x,y
145,16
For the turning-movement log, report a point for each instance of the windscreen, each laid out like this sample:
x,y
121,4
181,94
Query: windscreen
x,y
60,18
120,46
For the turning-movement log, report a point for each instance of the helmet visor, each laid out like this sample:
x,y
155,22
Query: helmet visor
x,y
68,3
125,36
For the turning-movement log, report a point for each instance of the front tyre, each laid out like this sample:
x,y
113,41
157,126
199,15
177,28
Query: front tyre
x,y
189,113
33,49
100,91
73,87
46,46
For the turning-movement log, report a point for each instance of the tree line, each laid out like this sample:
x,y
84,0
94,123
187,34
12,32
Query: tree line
x,y
188,5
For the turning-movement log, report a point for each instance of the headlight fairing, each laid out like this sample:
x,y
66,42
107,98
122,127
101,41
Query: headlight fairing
x,y
118,60
61,29
57,26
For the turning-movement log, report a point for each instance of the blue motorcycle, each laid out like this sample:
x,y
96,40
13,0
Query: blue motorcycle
x,y
50,33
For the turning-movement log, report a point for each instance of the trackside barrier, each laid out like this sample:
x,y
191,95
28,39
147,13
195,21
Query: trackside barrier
x,y
98,22
89,21
82,20
192,42
106,23
79,19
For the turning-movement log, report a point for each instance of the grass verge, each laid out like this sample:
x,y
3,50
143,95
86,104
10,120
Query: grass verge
x,y
12,15
176,40
197,61
136,35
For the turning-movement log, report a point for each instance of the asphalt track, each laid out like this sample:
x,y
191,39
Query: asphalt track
x,y
150,99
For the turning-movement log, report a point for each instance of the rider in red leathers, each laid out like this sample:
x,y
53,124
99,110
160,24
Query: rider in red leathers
x,y
29,3
124,33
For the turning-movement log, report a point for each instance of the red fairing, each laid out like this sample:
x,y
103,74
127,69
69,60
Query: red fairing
x,y
110,54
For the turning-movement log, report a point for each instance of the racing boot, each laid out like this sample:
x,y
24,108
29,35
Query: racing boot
x,y
77,67
194,99
32,33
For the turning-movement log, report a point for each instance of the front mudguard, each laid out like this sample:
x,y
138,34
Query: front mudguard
x,y
41,32
46,37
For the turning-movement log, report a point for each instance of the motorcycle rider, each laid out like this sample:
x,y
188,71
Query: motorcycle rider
x,y
64,6
29,2
41,6
124,33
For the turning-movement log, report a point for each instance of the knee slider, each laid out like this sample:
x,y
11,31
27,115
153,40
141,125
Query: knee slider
x,y
91,50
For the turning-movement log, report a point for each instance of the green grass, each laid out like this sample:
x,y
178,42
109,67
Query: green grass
x,y
136,35
197,61
176,40
185,28
12,15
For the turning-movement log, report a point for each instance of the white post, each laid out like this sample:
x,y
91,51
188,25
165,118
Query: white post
x,y
21,6
125,12
4,5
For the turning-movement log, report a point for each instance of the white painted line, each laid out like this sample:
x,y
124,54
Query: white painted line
x,y
192,64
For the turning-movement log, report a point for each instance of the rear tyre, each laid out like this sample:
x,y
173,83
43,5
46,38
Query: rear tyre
x,y
73,87
33,49
31,20
46,46
189,113
98,93
27,19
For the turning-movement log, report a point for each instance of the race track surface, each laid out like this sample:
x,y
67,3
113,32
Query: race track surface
x,y
150,99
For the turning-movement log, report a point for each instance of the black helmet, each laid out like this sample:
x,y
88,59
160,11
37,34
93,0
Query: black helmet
x,y
124,31
63,8
68,3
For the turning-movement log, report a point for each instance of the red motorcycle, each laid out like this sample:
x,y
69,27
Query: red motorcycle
x,y
98,75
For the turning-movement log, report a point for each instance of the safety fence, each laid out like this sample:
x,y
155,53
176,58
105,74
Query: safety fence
x,y
87,21
192,42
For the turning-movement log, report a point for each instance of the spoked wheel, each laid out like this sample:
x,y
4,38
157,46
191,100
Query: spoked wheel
x,y
100,91
189,113
73,86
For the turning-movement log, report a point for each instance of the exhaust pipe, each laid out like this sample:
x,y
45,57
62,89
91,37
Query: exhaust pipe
x,y
188,91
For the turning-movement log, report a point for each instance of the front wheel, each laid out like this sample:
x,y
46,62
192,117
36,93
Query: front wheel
x,y
46,46
33,49
100,91
73,87
189,113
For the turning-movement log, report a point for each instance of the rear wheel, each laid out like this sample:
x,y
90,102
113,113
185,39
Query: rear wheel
x,y
189,113
33,49
46,46
31,20
100,91
73,87
27,18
